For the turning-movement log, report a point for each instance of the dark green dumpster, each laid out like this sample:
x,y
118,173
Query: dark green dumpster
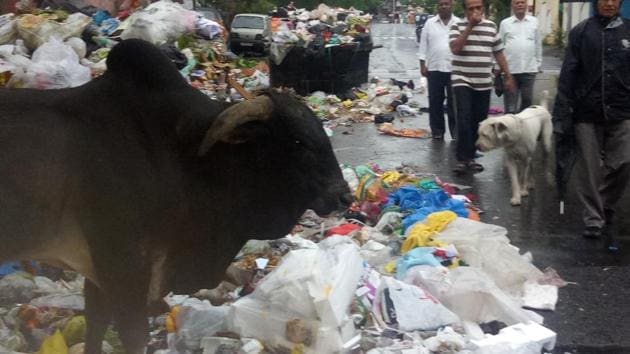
x,y
335,70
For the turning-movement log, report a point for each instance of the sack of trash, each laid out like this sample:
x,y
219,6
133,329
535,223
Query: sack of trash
x,y
161,22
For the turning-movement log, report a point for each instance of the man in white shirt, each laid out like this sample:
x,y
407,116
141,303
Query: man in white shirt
x,y
435,64
523,51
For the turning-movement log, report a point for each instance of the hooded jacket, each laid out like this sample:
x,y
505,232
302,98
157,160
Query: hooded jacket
x,y
594,84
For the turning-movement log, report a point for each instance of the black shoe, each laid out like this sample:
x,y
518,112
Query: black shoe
x,y
438,136
592,232
478,155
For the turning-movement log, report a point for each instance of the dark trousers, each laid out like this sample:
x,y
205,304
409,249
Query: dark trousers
x,y
603,168
471,107
524,89
440,88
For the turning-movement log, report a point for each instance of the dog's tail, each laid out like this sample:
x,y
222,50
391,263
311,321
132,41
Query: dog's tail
x,y
544,101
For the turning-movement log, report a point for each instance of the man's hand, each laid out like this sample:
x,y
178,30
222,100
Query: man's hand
x,y
424,71
475,18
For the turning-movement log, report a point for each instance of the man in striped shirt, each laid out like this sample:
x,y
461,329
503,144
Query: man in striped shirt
x,y
474,42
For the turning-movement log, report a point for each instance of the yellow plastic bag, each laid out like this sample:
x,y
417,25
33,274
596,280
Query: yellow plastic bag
x,y
54,344
74,331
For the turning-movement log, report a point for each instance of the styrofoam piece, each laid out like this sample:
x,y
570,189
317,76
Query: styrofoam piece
x,y
540,296
521,338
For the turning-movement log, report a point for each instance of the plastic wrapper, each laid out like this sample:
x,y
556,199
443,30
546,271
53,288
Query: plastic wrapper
x,y
446,341
36,30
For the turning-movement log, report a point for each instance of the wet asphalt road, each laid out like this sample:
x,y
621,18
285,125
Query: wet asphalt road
x,y
592,312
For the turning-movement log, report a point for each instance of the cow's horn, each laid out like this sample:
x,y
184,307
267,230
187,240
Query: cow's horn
x,y
258,108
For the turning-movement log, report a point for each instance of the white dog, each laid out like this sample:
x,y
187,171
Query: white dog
x,y
517,134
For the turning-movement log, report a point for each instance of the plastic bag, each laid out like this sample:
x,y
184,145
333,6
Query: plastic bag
x,y
314,286
54,344
18,287
8,31
208,28
55,65
197,319
471,294
62,301
410,307
36,30
161,22
487,247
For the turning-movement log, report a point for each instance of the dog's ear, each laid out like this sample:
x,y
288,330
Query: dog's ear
x,y
500,129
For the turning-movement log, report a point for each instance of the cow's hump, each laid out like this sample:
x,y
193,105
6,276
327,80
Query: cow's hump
x,y
143,63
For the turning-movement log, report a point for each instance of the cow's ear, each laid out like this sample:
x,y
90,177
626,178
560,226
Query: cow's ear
x,y
225,127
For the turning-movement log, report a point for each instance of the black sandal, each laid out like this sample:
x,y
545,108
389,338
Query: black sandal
x,y
460,168
474,166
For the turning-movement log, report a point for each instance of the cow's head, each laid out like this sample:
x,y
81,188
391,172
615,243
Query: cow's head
x,y
260,164
279,152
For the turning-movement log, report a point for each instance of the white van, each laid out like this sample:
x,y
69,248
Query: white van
x,y
250,32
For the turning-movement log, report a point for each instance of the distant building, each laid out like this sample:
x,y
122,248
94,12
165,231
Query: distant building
x,y
554,15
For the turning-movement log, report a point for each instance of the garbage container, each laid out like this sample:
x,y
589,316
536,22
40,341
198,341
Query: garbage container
x,y
336,70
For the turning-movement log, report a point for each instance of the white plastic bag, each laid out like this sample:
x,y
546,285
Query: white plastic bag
x,y
55,65
195,320
487,247
312,286
414,308
207,28
472,295
161,22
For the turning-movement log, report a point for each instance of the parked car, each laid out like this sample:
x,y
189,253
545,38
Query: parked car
x,y
250,32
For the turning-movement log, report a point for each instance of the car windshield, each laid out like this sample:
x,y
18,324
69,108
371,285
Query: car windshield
x,y
248,22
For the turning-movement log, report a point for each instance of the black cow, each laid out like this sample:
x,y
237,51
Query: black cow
x,y
136,177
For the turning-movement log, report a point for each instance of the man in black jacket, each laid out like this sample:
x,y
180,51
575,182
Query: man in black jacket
x,y
593,103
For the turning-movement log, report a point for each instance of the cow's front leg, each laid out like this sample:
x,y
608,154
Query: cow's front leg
x,y
98,316
130,310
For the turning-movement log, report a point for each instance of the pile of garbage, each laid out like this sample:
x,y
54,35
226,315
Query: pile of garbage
x,y
315,30
380,102
409,268
48,49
